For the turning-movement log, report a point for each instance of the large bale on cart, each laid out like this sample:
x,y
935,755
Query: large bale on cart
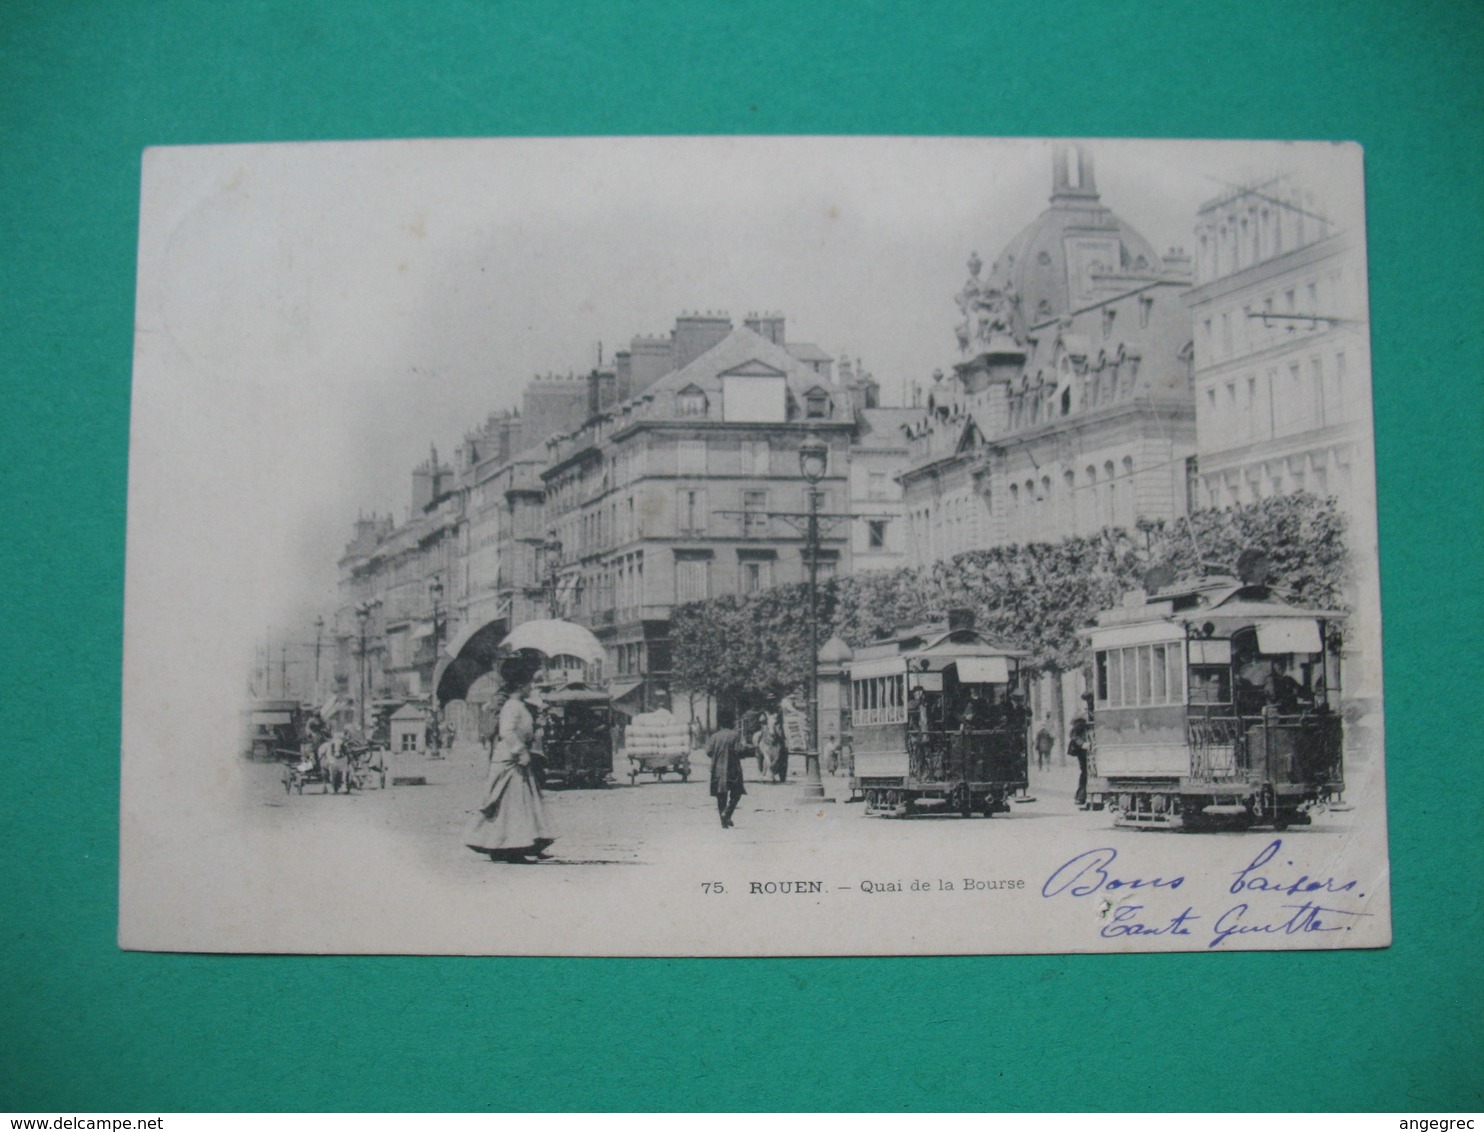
x,y
657,742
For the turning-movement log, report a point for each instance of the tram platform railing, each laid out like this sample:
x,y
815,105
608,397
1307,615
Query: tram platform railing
x,y
985,755
1304,747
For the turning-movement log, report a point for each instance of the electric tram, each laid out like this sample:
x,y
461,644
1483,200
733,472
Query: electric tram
x,y
938,722
1216,705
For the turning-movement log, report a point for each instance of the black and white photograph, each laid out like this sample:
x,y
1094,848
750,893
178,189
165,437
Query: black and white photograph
x,y
752,547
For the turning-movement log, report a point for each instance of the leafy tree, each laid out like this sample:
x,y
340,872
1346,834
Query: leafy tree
x,y
1037,597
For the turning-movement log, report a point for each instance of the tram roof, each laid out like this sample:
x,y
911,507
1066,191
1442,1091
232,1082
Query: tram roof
x,y
1230,601
574,692
936,642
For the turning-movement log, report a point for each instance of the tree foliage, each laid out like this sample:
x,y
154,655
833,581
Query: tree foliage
x,y
1037,597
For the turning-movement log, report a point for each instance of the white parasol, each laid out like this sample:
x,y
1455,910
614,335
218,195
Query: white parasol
x,y
555,638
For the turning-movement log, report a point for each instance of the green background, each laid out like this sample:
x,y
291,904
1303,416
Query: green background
x,y
85,86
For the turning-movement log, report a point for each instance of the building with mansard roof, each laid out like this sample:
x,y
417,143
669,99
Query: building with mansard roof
x,y
673,495
1072,408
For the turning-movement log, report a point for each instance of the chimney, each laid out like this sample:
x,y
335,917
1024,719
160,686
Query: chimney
x,y
695,333
769,326
649,360
553,405
622,375
422,486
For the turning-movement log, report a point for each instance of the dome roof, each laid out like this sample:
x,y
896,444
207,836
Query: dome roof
x,y
1035,264
1071,256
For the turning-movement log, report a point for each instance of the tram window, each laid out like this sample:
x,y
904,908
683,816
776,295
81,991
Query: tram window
x,y
1158,678
1145,693
1210,684
1115,678
1130,678
1102,677
1177,674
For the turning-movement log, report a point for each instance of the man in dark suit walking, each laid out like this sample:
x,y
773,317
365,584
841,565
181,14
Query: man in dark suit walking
x,y
724,749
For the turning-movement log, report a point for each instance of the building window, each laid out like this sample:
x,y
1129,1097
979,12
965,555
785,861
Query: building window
x,y
755,574
876,534
692,458
692,578
691,519
877,487
816,404
755,457
690,402
754,514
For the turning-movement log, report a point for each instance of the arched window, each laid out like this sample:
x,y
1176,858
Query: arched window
x,y
690,402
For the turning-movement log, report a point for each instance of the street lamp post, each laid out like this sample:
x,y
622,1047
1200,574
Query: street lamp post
x,y
363,615
553,550
435,591
319,629
814,456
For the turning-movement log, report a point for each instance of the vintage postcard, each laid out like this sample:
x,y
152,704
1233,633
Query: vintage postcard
x,y
752,546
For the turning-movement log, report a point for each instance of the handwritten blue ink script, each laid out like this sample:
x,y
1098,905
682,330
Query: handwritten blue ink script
x,y
1276,900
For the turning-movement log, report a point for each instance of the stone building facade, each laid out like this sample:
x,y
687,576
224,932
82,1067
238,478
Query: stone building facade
x,y
1282,357
666,498
614,496
1073,408
1282,372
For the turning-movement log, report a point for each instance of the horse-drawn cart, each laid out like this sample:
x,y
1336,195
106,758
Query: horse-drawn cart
x,y
355,766
659,744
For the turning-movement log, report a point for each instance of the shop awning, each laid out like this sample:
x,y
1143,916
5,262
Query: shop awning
x,y
625,695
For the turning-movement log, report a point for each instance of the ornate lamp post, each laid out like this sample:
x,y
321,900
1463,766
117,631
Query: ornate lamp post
x,y
319,630
363,615
552,548
814,458
435,592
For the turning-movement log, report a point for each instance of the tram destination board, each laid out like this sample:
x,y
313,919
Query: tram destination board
x,y
620,547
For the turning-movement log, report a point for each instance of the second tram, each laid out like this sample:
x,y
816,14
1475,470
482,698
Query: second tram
x,y
576,736
1215,706
938,721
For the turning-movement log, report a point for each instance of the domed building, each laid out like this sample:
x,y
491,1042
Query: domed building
x,y
1072,409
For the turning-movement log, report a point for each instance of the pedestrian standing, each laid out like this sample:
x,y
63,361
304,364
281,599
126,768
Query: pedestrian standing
x,y
724,749
1045,741
777,747
1077,748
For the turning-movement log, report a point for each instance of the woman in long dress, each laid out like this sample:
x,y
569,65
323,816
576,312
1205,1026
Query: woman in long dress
x,y
511,825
